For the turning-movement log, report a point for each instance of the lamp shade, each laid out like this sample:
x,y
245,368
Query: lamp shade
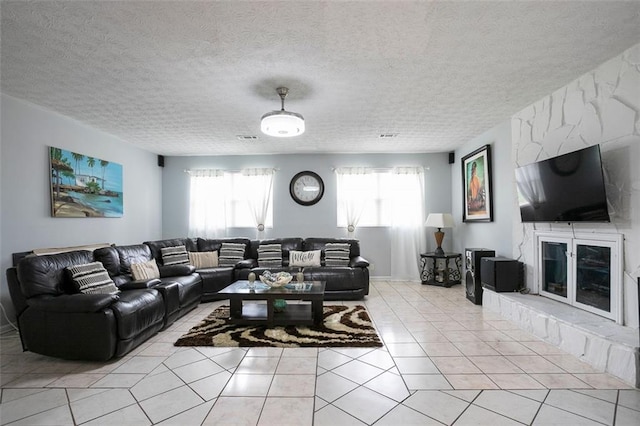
x,y
439,220
282,124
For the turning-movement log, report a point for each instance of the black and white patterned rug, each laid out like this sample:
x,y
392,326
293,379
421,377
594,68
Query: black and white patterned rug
x,y
343,326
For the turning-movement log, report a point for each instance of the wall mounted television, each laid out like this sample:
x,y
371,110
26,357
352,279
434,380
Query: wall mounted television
x,y
566,188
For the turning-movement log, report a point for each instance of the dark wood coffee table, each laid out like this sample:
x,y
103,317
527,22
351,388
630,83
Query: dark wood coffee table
x,y
264,313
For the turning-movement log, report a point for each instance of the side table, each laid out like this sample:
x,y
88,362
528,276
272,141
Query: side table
x,y
439,270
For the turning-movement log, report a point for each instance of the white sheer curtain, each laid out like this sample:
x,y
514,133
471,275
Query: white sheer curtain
x,y
408,237
206,217
260,185
353,195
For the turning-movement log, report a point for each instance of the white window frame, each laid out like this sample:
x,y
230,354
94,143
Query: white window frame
x,y
376,214
234,201
238,194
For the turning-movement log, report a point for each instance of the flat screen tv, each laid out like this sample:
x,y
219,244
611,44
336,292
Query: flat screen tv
x,y
567,188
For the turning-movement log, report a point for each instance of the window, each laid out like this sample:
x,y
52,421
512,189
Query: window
x,y
390,198
221,200
369,197
241,191
360,198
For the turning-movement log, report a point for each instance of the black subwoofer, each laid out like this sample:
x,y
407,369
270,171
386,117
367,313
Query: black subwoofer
x,y
502,274
472,258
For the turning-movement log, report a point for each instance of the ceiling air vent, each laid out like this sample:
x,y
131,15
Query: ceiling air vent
x,y
247,137
387,135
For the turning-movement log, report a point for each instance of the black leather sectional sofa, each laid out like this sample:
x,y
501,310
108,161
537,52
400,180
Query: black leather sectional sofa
x,y
349,282
56,321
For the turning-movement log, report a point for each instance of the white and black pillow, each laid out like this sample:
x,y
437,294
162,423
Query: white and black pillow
x,y
92,278
337,254
176,255
269,255
304,258
231,253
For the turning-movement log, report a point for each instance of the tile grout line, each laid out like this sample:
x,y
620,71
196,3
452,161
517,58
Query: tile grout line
x,y
615,409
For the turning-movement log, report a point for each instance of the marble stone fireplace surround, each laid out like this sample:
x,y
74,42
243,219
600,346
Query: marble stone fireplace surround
x,y
601,107
602,343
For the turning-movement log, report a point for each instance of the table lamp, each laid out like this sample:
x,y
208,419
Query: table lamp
x,y
439,220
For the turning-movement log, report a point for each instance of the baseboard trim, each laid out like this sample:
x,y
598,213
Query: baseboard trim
x,y
392,279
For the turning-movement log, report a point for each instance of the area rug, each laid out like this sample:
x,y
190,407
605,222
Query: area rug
x,y
343,326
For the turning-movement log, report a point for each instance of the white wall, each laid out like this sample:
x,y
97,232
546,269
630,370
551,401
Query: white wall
x,y
600,107
26,222
291,219
494,235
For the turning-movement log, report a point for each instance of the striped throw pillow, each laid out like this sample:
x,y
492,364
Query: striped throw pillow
x,y
203,259
337,254
92,278
145,270
231,253
269,255
174,255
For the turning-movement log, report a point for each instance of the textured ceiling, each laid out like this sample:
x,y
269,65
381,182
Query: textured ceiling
x,y
186,77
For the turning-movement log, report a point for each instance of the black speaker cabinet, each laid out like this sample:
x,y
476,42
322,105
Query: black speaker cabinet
x,y
501,274
472,258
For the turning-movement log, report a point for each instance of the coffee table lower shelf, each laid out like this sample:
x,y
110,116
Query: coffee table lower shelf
x,y
255,306
258,313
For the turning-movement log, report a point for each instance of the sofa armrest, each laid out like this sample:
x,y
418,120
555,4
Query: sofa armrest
x,y
176,270
247,264
77,303
140,284
358,262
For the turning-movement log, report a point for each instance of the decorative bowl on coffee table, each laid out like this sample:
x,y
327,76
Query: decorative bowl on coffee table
x,y
279,279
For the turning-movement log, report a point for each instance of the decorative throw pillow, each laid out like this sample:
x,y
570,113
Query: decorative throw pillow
x,y
337,254
145,270
174,255
269,255
203,259
92,278
304,258
231,253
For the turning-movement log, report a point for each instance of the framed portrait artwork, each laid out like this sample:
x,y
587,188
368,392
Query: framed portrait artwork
x,y
477,197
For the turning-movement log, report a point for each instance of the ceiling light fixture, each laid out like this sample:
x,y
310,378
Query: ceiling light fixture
x,y
282,124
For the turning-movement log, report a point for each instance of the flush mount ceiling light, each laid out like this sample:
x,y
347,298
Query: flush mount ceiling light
x,y
282,124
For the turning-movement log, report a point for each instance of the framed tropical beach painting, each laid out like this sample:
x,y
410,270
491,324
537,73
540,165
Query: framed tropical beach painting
x,y
477,197
84,186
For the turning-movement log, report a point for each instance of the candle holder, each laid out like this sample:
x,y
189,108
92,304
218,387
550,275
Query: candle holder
x,y
252,281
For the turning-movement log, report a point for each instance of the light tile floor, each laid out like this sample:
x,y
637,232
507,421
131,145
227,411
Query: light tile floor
x,y
445,361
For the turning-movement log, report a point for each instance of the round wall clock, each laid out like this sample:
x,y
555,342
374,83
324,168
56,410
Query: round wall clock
x,y
306,188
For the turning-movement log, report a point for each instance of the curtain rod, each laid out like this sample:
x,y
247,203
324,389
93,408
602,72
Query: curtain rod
x,y
376,169
232,170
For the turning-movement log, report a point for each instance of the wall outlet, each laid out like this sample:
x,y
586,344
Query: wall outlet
x,y
372,267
